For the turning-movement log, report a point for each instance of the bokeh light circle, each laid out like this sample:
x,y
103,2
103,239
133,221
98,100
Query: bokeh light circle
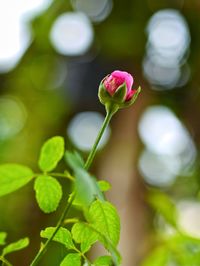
x,y
158,170
189,217
96,10
170,150
167,50
168,33
83,130
72,34
15,33
15,39
12,117
162,132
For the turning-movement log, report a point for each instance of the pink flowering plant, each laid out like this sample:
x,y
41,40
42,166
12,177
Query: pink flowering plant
x,y
115,90
101,221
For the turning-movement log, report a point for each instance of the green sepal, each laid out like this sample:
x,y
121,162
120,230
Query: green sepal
x,y
103,94
120,94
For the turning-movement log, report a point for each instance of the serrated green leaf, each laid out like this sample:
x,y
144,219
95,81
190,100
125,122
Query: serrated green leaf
x,y
3,236
104,185
85,247
72,259
83,234
104,218
164,206
101,237
103,261
15,246
51,153
86,186
158,257
74,160
63,236
48,193
13,177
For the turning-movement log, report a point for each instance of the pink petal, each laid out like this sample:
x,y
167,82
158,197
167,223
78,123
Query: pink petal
x,y
123,76
130,95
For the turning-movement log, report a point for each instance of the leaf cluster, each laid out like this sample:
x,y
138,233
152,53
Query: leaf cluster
x,y
101,221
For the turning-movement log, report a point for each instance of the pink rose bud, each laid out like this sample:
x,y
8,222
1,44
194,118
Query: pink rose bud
x,y
116,79
115,90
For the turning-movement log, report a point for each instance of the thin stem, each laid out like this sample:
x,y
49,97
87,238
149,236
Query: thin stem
x,y
71,221
65,175
5,261
68,206
61,220
94,148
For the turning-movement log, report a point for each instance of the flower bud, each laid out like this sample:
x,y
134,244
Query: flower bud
x,y
116,89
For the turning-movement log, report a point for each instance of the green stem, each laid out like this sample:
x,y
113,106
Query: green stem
x,y
87,165
71,221
94,148
5,261
65,175
61,220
